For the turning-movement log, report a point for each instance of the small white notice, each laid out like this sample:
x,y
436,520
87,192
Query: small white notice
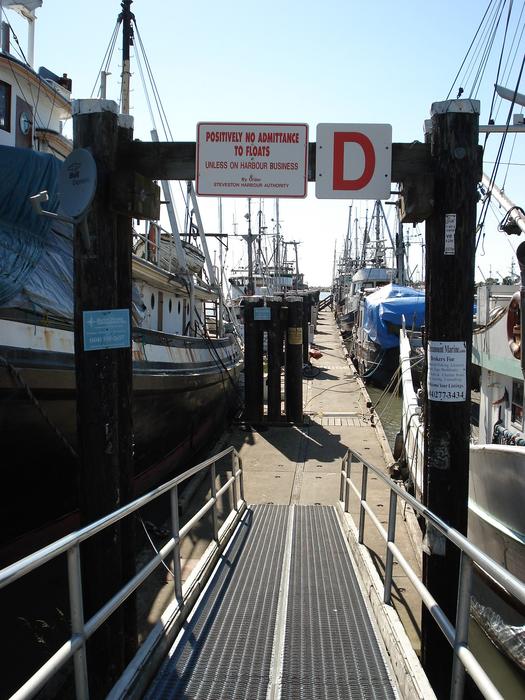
x,y
447,375
450,234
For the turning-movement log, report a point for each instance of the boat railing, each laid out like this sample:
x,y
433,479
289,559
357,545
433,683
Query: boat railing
x,y
184,594
457,636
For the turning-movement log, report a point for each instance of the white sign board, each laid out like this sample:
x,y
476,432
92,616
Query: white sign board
x,y
353,161
447,371
251,160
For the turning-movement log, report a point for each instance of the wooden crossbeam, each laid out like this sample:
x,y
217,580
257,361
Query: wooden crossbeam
x,y
176,160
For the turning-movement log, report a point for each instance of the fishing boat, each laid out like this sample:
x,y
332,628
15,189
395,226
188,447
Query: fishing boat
x,y
269,270
186,361
375,335
361,273
496,462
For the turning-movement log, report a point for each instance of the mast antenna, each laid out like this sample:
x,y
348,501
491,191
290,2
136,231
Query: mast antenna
x,y
127,18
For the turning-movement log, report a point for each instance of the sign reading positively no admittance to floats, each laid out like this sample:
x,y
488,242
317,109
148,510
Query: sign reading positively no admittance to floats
x,y
447,370
252,160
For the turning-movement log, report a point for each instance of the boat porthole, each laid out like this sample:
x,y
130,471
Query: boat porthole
x,y
170,306
178,308
152,301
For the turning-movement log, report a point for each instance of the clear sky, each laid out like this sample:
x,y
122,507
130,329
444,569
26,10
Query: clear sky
x,y
334,61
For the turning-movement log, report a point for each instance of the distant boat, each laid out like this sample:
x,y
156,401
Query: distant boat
x,y
375,334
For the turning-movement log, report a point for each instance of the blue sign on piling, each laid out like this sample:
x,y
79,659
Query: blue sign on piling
x,y
262,313
104,330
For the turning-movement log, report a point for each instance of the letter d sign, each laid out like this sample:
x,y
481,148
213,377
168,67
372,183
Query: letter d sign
x,y
353,161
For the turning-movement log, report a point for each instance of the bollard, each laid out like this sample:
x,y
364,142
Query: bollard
x,y
294,360
253,363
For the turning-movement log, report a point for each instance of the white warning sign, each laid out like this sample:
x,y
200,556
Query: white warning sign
x,y
447,371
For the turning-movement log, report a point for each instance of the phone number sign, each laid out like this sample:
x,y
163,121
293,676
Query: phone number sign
x,y
251,160
106,329
447,371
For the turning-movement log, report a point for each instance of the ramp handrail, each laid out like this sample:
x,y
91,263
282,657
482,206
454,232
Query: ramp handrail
x,y
82,629
457,636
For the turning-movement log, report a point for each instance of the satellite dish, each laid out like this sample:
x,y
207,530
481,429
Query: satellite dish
x,y
77,183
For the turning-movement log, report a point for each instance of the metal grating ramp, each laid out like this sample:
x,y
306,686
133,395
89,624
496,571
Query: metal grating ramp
x,y
282,617
330,649
226,648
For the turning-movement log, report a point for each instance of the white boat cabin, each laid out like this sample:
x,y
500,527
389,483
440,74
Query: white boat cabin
x,y
33,105
501,403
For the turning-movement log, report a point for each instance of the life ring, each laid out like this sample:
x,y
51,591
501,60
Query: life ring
x,y
514,325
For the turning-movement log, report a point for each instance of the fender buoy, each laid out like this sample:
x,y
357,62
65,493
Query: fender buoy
x,y
514,326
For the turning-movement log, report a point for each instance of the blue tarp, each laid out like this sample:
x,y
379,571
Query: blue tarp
x,y
386,306
23,233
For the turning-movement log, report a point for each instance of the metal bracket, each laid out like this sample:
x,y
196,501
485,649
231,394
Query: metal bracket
x,y
36,202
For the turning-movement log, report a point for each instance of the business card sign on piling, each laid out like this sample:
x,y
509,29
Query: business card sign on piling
x,y
106,329
252,160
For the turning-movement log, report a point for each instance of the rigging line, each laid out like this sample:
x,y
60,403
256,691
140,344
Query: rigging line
x,y
486,55
22,54
480,43
158,102
506,74
14,35
510,156
492,180
469,48
143,81
29,99
107,56
500,61
155,90
510,61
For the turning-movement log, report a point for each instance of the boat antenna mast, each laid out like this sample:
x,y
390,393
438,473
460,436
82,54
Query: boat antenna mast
x,y
127,18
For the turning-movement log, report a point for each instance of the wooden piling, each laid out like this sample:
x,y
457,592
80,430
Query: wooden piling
x,y
105,442
450,241
294,360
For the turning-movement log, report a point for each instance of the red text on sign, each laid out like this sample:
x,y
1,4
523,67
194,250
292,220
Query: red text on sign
x,y
340,139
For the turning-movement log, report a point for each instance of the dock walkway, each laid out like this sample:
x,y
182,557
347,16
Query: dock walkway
x,y
302,465
284,615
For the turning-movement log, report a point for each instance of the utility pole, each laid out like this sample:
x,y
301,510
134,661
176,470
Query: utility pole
x,y
450,242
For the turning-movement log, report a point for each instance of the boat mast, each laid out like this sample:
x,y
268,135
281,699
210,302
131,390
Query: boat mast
x,y
348,241
126,17
248,216
277,242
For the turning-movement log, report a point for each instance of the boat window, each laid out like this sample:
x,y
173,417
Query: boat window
x,y
152,301
517,404
170,306
178,308
5,106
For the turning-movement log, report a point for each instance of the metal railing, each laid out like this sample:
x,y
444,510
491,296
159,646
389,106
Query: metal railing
x,y
83,629
457,636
